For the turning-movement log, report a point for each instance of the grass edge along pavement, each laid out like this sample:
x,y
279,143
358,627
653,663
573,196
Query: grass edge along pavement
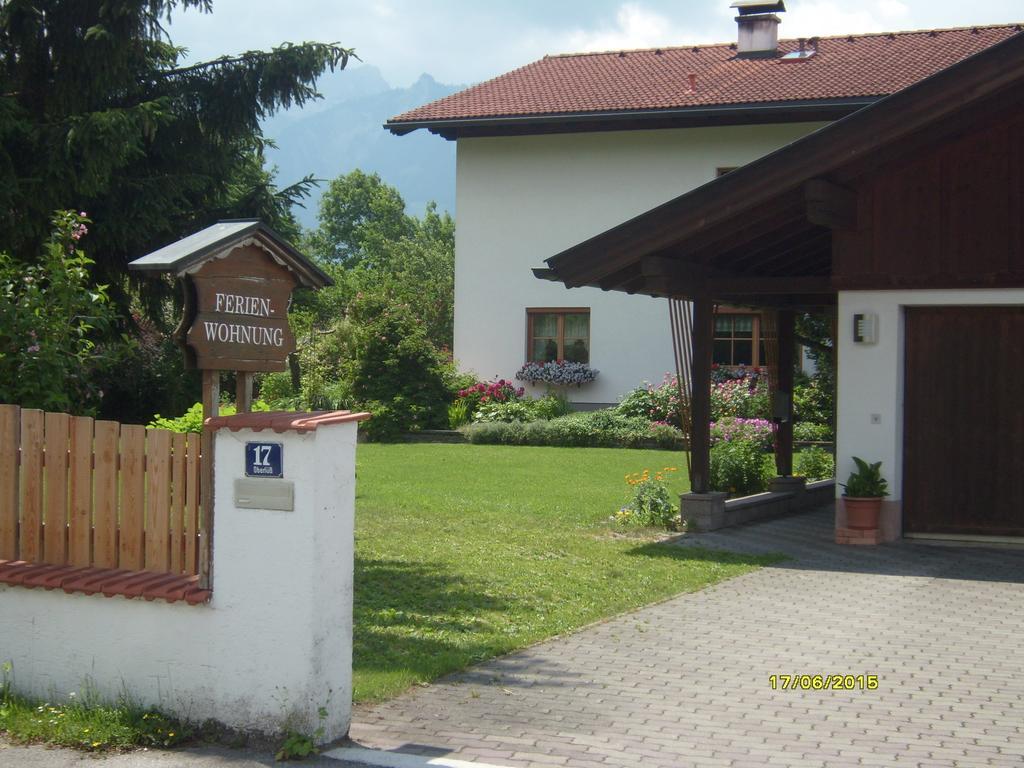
x,y
468,552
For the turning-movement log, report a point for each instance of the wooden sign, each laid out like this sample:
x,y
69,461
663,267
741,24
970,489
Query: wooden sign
x,y
241,313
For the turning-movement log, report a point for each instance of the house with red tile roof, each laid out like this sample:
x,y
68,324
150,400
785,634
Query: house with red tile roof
x,y
558,151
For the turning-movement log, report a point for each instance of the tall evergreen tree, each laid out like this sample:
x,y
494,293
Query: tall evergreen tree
x,y
97,113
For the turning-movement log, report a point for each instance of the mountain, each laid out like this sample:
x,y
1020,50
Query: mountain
x,y
344,131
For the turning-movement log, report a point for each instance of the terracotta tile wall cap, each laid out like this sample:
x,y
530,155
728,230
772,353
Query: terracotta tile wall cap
x,y
110,581
283,421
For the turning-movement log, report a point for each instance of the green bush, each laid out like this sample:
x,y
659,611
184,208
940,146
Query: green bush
x,y
813,402
807,432
605,429
740,468
527,409
396,373
51,320
277,388
814,463
509,410
192,419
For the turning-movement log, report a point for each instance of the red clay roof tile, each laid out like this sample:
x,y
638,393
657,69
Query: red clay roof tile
x,y
652,79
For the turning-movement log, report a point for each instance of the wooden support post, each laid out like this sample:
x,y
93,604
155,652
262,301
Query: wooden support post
x,y
700,394
783,410
243,391
211,407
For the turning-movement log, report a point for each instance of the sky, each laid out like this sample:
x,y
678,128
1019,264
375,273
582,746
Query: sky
x,y
468,41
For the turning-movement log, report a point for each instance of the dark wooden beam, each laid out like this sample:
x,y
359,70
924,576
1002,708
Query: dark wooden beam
x,y
786,325
700,398
1013,279
813,258
759,227
764,256
830,205
753,285
614,281
675,268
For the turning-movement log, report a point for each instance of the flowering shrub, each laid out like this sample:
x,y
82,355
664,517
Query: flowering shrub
x,y
560,373
757,431
660,404
742,398
51,321
500,391
740,468
650,502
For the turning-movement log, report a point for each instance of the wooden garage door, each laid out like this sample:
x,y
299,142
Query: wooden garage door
x,y
963,457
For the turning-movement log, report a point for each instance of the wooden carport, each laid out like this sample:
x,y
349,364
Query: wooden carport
x,y
826,214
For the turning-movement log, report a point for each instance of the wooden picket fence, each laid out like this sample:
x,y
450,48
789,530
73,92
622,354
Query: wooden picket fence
x,y
79,492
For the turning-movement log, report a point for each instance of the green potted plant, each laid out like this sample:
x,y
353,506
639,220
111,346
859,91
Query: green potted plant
x,y
864,491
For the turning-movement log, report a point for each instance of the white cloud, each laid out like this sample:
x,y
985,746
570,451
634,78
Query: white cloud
x,y
893,9
635,27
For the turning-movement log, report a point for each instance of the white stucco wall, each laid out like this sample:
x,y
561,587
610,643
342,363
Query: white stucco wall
x,y
870,376
523,199
272,646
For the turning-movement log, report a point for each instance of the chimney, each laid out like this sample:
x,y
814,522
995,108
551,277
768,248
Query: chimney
x,y
758,28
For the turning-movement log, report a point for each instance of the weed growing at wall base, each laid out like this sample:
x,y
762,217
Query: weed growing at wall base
x,y
83,722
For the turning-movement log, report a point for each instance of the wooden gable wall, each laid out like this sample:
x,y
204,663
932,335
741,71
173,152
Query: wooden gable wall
x,y
946,216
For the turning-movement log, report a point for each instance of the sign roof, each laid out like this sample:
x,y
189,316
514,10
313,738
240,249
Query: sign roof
x,y
190,253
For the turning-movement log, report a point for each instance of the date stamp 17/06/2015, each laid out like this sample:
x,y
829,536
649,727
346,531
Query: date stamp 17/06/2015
x,y
823,682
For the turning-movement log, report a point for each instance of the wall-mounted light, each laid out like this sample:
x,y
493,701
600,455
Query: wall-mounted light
x,y
865,328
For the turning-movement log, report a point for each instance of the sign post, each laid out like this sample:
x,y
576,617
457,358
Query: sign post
x,y
238,278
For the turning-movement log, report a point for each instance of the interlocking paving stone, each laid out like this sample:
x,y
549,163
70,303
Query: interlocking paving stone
x,y
686,681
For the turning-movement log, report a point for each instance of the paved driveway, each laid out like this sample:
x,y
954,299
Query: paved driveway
x,y
686,682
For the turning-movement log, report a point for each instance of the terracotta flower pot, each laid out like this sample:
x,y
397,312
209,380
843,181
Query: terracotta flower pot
x,y
862,513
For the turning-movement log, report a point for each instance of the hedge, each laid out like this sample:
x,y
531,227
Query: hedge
x,y
594,429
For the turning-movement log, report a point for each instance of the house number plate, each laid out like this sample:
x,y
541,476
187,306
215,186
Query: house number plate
x,y
264,460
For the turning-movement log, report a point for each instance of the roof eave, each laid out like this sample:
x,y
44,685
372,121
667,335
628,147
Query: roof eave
x,y
785,111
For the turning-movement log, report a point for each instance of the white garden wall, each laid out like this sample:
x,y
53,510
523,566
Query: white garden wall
x,y
523,199
272,646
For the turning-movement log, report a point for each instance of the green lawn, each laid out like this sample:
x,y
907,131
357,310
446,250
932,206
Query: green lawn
x,y
465,552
